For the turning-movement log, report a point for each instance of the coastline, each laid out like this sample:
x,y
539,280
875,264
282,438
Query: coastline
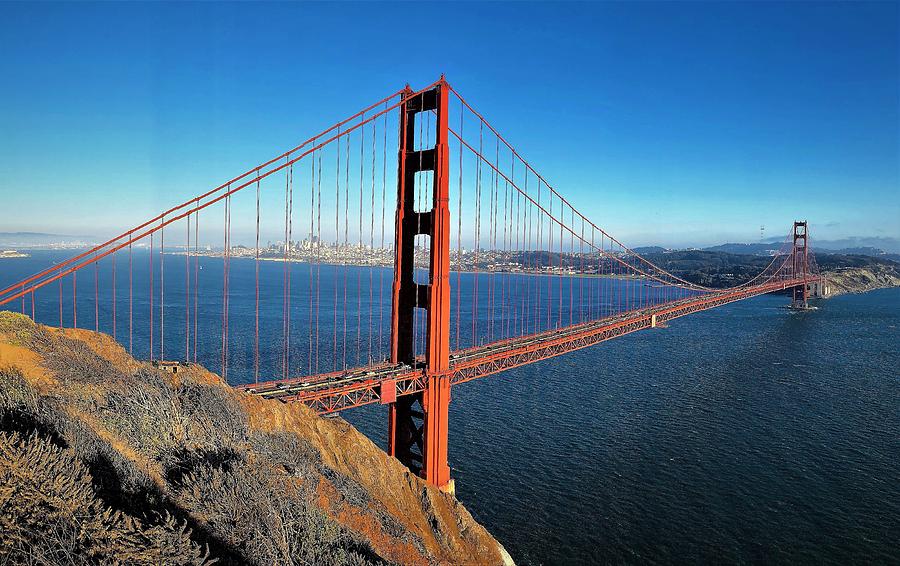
x,y
843,280
391,265
861,280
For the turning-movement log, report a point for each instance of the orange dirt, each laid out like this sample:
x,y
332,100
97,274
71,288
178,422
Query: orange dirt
x,y
28,362
358,520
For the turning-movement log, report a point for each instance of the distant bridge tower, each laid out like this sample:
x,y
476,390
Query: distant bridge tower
x,y
801,265
417,424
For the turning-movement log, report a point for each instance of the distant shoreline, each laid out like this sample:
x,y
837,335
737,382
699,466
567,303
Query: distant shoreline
x,y
452,269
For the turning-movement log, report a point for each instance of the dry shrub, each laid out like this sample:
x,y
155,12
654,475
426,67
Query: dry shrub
x,y
248,496
49,514
17,327
145,412
287,451
213,415
15,392
72,361
269,517
23,411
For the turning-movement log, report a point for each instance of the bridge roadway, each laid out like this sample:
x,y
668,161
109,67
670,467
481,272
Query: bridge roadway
x,y
382,383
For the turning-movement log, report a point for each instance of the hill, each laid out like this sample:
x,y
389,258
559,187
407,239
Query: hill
x,y
848,272
107,460
746,249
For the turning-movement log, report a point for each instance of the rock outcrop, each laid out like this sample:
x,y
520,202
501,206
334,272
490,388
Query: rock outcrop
x,y
862,279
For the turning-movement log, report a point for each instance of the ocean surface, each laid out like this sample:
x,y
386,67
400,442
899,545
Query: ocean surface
x,y
745,434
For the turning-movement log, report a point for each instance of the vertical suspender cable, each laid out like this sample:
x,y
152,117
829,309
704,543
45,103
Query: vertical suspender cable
x,y
130,299
187,289
312,226
571,263
549,261
284,275
196,276
224,280
228,293
74,299
581,277
290,259
371,266
113,294
162,287
151,295
318,251
504,331
256,312
346,246
383,197
459,215
96,298
337,222
362,141
562,216
593,280
477,230
490,276
495,213
526,247
371,330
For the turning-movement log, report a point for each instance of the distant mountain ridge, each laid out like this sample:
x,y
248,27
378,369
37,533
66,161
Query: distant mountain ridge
x,y
887,244
767,249
650,250
746,249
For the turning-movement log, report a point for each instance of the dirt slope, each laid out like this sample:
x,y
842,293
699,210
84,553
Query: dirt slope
x,y
241,479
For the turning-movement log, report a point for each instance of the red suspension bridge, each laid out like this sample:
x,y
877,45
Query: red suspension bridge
x,y
483,267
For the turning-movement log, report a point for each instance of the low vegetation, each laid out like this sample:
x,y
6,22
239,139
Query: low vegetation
x,y
51,514
106,460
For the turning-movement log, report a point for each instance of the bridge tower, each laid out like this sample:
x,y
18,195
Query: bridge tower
x,y
418,424
801,265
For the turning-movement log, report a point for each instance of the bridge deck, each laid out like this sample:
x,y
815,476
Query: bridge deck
x,y
330,392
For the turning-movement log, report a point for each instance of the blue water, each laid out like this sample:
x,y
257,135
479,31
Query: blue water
x,y
745,434
748,433
339,316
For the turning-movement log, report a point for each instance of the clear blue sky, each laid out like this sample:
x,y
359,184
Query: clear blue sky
x,y
679,124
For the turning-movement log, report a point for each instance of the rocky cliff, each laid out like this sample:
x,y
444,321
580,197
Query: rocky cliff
x,y
104,459
862,279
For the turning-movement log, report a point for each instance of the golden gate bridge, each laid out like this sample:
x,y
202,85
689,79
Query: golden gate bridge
x,y
492,269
